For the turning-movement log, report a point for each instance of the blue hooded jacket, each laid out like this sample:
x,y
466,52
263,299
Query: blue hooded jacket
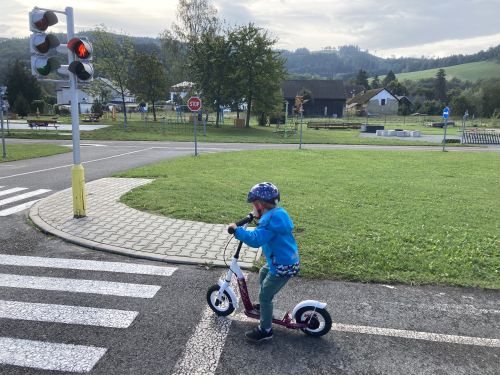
x,y
274,235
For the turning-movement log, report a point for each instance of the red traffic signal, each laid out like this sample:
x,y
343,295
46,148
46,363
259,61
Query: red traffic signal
x,y
83,70
40,20
42,43
81,47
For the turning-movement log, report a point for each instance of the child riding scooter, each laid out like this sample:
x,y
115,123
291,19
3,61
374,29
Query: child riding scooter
x,y
274,235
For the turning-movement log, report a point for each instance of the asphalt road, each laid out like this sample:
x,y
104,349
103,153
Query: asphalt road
x,y
378,329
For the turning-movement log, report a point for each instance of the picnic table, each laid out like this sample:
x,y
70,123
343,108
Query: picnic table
x,y
92,117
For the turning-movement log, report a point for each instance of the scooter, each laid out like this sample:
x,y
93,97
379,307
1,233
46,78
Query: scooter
x,y
309,316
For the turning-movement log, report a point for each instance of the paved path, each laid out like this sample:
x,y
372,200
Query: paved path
x,y
115,227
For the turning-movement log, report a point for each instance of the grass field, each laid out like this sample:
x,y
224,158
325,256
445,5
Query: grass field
x,y
466,72
410,217
19,152
171,131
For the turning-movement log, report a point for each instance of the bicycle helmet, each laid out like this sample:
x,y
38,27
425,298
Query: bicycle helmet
x,y
265,191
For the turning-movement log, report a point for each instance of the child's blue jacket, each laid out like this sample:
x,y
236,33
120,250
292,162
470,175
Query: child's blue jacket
x,y
274,235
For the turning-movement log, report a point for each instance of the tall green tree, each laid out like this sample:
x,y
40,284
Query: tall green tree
x,y
362,79
389,78
440,85
490,97
148,78
396,88
195,18
113,54
174,54
210,64
259,69
375,83
21,84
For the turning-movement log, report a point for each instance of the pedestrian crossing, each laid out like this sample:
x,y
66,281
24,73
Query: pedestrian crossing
x,y
17,199
31,352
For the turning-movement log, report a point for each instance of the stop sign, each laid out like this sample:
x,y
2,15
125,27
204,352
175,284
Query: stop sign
x,y
194,104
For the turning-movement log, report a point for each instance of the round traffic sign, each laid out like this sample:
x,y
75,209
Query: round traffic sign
x,y
194,103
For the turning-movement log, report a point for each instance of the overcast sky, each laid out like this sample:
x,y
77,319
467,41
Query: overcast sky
x,y
384,27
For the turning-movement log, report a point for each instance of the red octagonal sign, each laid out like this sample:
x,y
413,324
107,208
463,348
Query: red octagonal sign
x,y
194,103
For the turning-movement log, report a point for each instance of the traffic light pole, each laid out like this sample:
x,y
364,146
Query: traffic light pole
x,y
77,172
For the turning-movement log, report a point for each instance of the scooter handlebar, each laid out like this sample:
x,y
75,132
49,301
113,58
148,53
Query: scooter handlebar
x,y
247,219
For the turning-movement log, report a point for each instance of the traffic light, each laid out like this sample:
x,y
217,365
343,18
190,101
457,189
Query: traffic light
x,y
81,66
43,46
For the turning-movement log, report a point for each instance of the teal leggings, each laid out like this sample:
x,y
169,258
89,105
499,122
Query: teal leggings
x,y
270,285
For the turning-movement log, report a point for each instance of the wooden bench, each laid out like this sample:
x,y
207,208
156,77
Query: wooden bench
x,y
36,124
329,125
286,129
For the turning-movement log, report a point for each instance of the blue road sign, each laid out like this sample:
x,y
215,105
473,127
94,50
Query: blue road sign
x,y
446,112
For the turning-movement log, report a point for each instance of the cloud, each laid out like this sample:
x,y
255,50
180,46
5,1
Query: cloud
x,y
388,26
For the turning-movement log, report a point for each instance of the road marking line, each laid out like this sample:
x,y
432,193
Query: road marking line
x,y
18,208
81,315
204,348
70,165
416,335
13,190
23,196
49,356
79,286
87,265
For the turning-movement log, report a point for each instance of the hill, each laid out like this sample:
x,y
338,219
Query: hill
x,y
466,72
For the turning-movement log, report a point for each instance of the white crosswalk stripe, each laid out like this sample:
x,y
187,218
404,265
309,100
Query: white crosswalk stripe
x,y
16,198
35,352
11,199
11,191
18,208
89,265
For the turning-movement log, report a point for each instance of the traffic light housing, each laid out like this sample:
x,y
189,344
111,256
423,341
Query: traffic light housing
x,y
81,67
43,46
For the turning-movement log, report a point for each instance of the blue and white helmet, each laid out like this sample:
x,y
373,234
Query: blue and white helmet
x,y
265,191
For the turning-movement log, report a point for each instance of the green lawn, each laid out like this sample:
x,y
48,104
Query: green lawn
x,y
20,151
160,131
411,217
470,71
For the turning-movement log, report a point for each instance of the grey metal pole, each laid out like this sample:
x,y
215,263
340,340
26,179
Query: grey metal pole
x,y
195,141
301,117
75,131
286,111
445,127
4,148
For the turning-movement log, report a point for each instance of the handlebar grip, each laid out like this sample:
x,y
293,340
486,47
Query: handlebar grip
x,y
242,222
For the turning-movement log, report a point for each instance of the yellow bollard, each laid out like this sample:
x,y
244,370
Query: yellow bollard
x,y
78,186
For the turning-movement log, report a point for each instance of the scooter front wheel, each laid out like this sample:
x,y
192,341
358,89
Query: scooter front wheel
x,y
319,321
223,306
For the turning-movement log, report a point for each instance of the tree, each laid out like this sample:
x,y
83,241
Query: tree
x,y
113,54
210,64
21,105
196,17
362,79
259,69
396,88
460,104
490,97
174,54
148,78
389,78
440,85
21,85
375,83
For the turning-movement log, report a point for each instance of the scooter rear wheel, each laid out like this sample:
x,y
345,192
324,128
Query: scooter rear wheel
x,y
222,307
319,321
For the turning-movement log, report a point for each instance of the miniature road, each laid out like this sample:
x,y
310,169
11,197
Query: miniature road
x,y
163,325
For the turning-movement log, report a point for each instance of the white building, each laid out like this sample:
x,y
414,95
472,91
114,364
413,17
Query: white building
x,y
86,99
374,102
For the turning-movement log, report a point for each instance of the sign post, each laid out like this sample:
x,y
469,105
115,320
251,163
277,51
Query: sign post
x,y
194,105
446,114
3,89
